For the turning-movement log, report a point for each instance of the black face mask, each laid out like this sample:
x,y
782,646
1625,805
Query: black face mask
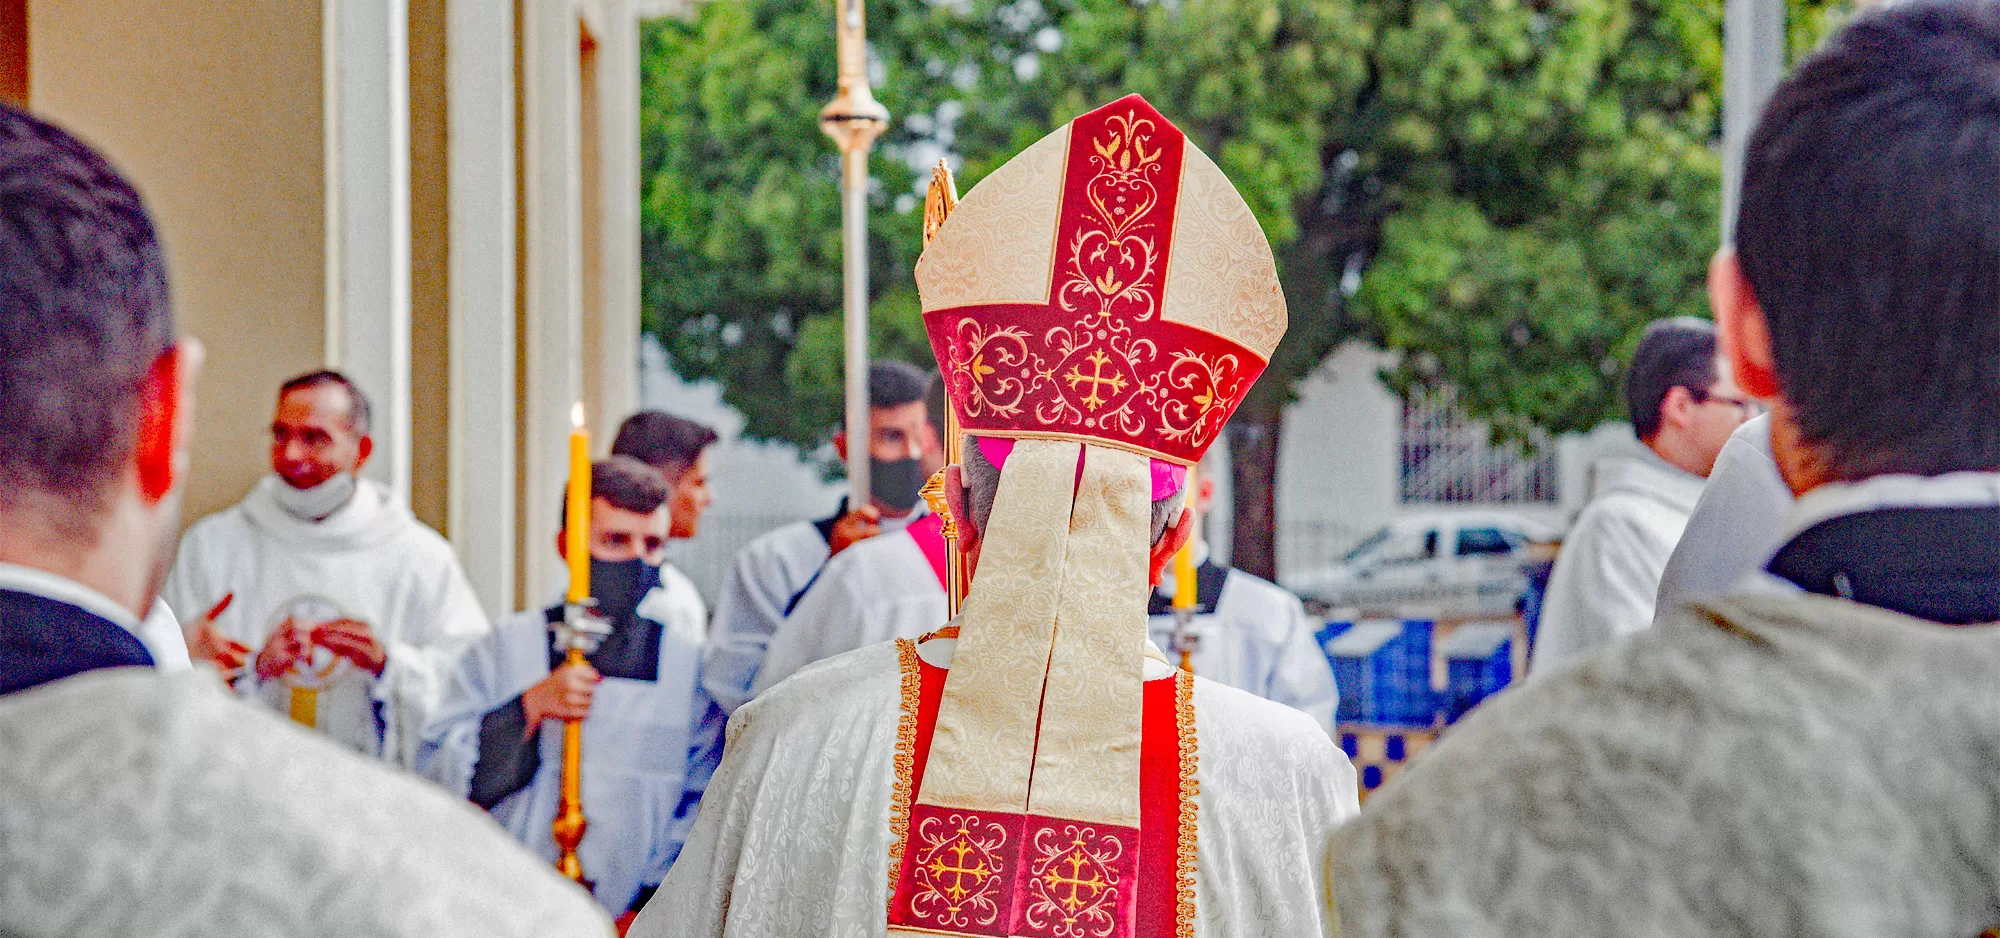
x,y
895,484
619,586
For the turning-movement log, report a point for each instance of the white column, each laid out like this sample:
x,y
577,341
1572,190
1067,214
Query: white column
x,y
480,121
553,354
367,56
1753,61
616,356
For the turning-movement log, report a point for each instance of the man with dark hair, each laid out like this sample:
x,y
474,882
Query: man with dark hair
x,y
678,448
498,736
1815,753
768,580
343,610
1684,407
137,803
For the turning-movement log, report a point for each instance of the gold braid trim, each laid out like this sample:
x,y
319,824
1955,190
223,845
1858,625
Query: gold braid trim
x,y
906,762
1190,794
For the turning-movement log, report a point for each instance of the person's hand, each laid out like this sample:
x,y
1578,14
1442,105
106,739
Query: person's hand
x,y
283,650
564,695
857,525
210,645
354,640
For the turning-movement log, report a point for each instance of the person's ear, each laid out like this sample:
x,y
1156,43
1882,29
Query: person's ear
x,y
166,419
840,444
562,542
960,501
1178,534
366,449
1677,408
1742,332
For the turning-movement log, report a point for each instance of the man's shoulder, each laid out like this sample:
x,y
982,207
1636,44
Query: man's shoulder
x,y
874,558
1258,588
160,769
228,524
1247,722
866,682
784,540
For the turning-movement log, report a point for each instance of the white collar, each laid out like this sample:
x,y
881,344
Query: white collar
x,y
62,589
1834,499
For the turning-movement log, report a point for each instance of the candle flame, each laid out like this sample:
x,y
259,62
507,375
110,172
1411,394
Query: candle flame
x,y
576,415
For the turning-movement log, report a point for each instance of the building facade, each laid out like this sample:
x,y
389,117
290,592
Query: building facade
x,y
439,197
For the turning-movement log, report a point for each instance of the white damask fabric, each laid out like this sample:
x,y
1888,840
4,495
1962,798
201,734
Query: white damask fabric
x,y
1762,765
793,838
371,560
135,804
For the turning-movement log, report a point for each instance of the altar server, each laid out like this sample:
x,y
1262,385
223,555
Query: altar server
x,y
1248,632
1684,406
142,804
1038,768
1817,753
498,739
356,608
770,574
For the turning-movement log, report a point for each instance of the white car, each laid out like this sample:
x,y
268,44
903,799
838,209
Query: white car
x,y
1459,563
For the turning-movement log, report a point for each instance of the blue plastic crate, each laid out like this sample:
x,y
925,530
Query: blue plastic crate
x,y
1479,662
1383,670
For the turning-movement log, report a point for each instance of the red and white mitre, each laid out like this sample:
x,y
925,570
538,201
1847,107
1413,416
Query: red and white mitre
x,y
1099,306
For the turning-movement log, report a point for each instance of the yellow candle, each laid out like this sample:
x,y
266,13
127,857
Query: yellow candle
x,y
1184,585
576,518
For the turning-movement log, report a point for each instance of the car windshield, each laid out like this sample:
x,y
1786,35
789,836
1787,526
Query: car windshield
x,y
1367,547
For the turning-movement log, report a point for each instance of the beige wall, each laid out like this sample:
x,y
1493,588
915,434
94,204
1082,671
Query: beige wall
x,y
215,110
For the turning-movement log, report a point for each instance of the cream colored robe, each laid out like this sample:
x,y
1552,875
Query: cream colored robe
x,y
793,838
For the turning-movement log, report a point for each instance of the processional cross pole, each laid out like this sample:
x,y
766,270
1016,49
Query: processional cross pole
x,y
854,119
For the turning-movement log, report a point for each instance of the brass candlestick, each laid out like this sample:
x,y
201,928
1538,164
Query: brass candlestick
x,y
579,634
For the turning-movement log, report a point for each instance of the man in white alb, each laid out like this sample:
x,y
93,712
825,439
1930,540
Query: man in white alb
x,y
1684,406
355,608
1248,632
142,804
771,576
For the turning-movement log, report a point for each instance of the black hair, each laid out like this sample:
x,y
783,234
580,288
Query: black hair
x,y
893,383
1869,230
626,483
84,313
936,403
359,410
1672,353
663,441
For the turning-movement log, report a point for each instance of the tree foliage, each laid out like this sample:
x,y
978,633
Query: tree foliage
x,y
1503,191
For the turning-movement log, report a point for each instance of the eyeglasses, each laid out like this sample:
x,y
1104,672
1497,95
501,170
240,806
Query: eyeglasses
x,y
1747,408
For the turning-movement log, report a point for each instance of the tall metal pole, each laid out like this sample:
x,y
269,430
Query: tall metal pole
x,y
1753,61
854,119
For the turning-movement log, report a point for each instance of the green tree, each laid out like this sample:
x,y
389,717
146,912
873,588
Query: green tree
x,y
1503,192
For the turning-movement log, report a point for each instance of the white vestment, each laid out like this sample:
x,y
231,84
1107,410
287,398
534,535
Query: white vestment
x,y
1608,572
766,574
162,636
1736,524
794,836
136,804
635,743
1785,764
371,561
879,589
1259,639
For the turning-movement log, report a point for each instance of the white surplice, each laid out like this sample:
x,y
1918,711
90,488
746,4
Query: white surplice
x,y
372,561
794,836
879,589
161,633
1736,525
762,580
1607,575
635,743
137,804
1259,639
